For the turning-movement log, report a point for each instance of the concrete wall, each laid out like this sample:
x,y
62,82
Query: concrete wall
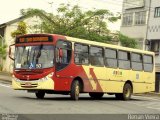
x,y
154,22
134,31
154,27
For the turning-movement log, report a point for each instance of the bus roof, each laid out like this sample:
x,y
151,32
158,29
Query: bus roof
x,y
73,39
107,45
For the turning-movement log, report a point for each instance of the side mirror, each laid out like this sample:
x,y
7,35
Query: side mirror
x,y
10,52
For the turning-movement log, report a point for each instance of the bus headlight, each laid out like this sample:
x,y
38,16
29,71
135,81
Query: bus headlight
x,y
17,80
43,79
51,74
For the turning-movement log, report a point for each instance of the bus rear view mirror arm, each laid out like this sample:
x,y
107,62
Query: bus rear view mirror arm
x,y
10,52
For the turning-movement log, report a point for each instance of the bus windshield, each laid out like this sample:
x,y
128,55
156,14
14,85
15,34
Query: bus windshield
x,y
34,57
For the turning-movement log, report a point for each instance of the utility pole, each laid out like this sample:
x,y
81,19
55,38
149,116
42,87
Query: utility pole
x,y
149,10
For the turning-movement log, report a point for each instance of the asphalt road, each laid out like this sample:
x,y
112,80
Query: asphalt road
x,y
21,102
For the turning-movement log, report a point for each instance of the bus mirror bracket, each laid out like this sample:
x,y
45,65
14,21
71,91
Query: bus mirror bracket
x,y
10,52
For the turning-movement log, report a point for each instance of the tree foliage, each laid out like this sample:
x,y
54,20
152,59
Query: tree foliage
x,y
21,29
73,21
3,52
3,47
127,41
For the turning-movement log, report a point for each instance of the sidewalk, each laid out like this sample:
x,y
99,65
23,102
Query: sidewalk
x,y
4,76
149,94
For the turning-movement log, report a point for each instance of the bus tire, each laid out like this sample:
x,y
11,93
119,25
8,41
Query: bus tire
x,y
75,90
96,95
127,92
119,96
40,94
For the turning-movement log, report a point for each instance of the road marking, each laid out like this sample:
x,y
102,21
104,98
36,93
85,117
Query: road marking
x,y
3,85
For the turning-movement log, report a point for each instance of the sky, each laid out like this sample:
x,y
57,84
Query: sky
x,y
10,9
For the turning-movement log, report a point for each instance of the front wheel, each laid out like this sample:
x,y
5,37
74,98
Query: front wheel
x,y
75,90
96,95
40,94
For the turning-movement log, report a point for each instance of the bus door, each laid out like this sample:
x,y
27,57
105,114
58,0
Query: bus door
x,y
63,58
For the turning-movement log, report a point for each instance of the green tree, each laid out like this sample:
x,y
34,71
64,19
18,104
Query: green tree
x,y
3,52
127,41
73,21
21,29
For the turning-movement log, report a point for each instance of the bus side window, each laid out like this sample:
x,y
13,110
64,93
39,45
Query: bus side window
x,y
96,56
136,59
124,60
81,54
63,54
111,58
148,63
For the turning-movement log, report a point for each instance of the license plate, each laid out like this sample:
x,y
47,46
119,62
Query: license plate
x,y
28,84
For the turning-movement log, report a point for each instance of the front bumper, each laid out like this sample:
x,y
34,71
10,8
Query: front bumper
x,y
45,83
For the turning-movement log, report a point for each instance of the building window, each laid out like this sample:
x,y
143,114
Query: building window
x,y
140,18
127,19
157,12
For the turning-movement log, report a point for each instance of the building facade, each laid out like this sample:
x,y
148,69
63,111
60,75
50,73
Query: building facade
x,y
153,35
134,20
141,20
7,28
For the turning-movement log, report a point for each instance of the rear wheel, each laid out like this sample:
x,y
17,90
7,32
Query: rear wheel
x,y
75,90
96,95
40,94
127,92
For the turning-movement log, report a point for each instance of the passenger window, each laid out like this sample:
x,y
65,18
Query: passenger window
x,y
96,56
81,54
136,61
63,54
148,63
124,60
110,58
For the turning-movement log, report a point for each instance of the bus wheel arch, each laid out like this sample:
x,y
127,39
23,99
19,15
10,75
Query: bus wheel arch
x,y
79,79
127,91
76,88
129,82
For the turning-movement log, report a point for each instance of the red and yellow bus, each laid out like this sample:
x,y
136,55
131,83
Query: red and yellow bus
x,y
51,63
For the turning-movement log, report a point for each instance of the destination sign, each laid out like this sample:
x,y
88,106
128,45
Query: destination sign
x,y
31,39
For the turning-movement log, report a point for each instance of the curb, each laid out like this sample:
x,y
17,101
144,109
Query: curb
x,y
149,94
5,80
5,76
5,73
